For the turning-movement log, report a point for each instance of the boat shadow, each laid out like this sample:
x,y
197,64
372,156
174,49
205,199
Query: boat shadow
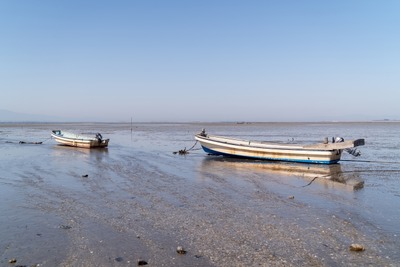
x,y
330,175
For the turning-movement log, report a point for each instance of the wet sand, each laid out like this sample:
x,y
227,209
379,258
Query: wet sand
x,y
140,201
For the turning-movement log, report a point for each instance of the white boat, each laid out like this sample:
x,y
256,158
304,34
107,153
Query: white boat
x,y
323,153
71,139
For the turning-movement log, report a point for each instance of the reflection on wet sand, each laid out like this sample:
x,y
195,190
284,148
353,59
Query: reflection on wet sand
x,y
60,150
328,175
80,157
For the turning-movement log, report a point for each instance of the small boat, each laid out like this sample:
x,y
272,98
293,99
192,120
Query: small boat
x,y
71,139
322,153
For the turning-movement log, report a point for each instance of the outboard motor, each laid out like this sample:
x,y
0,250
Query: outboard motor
x,y
99,137
338,140
203,132
352,151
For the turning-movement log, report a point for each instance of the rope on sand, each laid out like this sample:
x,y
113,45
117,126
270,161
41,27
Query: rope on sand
x,y
315,179
371,161
27,142
32,143
354,171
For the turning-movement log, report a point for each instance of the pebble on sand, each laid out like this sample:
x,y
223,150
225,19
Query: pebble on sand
x,y
141,262
180,250
118,259
356,247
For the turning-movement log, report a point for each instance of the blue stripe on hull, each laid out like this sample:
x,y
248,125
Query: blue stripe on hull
x,y
213,152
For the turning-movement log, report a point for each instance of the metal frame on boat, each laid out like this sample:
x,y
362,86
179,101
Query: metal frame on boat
x,y
322,153
71,139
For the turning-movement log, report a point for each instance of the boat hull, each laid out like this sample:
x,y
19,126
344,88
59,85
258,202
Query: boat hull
x,y
273,152
68,139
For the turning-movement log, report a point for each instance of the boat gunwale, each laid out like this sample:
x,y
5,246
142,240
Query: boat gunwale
x,y
73,139
259,145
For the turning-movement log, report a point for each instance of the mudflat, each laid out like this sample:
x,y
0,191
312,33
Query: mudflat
x,y
135,202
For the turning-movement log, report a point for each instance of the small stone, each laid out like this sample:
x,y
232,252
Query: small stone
x,y
180,250
356,247
291,197
141,262
118,259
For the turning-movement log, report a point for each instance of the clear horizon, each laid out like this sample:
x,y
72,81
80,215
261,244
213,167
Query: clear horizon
x,y
29,118
207,61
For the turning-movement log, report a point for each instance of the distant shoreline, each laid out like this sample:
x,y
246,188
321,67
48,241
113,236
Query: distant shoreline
x,y
188,122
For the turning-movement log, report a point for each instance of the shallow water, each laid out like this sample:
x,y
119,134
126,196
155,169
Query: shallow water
x,y
140,201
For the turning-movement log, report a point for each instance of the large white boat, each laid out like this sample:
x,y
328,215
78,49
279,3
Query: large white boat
x,y
324,152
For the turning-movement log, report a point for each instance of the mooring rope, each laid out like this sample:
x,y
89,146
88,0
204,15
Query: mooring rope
x,y
354,171
47,139
371,161
26,142
185,151
315,179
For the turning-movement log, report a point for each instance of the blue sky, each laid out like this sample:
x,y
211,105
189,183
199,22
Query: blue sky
x,y
201,60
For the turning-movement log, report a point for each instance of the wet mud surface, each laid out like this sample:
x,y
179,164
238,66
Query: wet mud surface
x,y
136,202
